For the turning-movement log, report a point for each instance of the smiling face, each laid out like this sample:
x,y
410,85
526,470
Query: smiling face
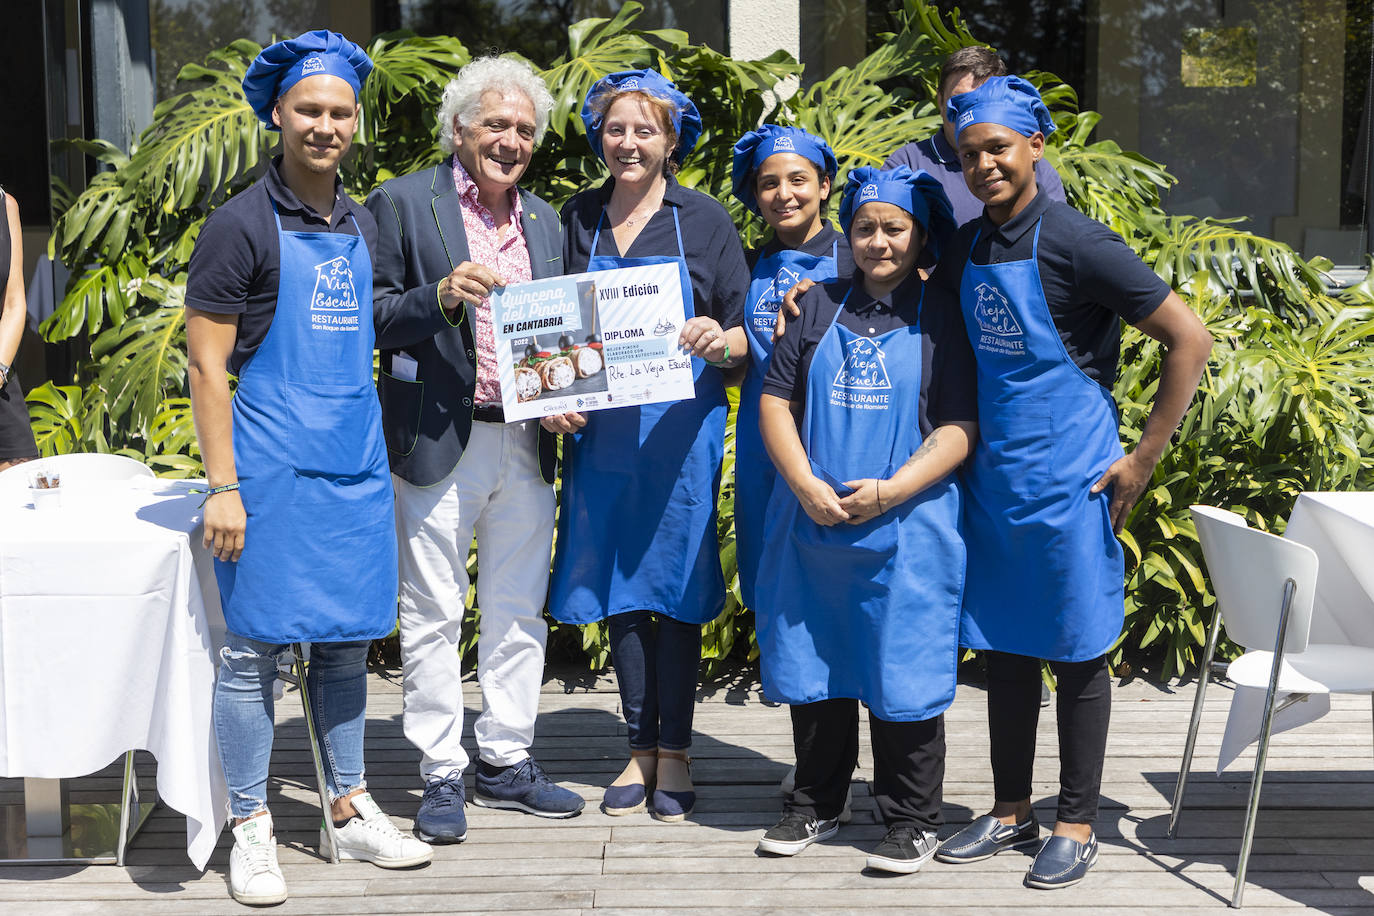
x,y
790,191
496,147
317,117
886,240
635,141
999,167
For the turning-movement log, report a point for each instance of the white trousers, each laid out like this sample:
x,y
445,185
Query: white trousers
x,y
496,493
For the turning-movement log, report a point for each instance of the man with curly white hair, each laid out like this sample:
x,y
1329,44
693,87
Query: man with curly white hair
x,y
447,236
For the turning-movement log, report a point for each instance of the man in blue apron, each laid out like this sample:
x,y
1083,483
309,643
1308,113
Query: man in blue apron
x,y
447,235
299,511
866,410
1043,290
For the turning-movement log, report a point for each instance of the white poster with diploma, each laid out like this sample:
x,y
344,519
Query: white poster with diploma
x,y
591,341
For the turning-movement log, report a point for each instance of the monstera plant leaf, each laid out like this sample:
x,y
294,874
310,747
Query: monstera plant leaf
x,y
1213,256
143,360
597,47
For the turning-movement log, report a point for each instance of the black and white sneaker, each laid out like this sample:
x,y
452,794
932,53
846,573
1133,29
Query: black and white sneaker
x,y
904,850
795,832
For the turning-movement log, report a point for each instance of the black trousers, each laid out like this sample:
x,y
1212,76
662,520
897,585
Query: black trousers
x,y
908,763
1084,709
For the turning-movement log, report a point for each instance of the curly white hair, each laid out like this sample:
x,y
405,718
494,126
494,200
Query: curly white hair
x,y
502,75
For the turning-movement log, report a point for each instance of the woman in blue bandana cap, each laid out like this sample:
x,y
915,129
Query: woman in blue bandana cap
x,y
867,409
784,175
637,527
299,511
1043,290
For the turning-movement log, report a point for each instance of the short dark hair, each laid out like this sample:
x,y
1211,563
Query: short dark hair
x,y
977,61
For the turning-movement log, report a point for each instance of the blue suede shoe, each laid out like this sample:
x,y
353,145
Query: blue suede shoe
x,y
628,799
1062,862
986,837
523,786
441,818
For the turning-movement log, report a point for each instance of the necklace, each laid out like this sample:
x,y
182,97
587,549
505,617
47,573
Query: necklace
x,y
640,214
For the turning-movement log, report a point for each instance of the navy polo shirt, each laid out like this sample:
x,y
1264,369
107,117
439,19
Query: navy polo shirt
x,y
936,156
949,381
234,266
715,258
1092,280
822,244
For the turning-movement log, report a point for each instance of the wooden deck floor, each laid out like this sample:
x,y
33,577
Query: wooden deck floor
x,y
1314,850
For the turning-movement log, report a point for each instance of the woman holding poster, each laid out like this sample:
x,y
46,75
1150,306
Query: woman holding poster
x,y
868,407
637,528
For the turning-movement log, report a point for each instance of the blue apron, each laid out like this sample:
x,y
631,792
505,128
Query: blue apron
x,y
867,611
319,557
637,523
754,471
1047,577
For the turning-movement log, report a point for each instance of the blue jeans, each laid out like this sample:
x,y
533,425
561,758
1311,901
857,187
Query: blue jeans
x,y
337,680
656,663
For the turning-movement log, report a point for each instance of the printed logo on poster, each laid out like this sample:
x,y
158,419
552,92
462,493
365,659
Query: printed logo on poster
x,y
334,290
312,65
1000,332
765,311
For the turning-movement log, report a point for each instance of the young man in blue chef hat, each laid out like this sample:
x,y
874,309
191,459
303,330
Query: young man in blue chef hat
x,y
299,512
1043,290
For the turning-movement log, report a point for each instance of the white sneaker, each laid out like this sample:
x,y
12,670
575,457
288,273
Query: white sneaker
x,y
254,875
789,782
371,837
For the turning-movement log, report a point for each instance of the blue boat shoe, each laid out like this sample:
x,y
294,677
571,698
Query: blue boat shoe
x,y
1062,862
523,786
986,837
441,818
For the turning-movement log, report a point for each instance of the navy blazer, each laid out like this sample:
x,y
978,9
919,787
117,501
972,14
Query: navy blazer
x,y
427,422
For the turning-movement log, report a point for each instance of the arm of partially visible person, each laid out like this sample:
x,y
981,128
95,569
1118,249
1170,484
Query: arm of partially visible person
x,y
210,340
1187,345
13,308
778,424
942,451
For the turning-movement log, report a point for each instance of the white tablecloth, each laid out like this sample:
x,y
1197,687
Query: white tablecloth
x,y
1340,528
109,625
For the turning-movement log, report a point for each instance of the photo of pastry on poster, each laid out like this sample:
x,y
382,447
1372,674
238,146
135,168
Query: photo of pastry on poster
x,y
591,341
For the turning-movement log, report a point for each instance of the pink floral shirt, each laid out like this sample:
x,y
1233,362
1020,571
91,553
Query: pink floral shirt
x,y
511,259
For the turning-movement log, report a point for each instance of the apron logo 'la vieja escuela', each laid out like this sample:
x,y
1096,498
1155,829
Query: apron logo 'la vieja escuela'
x,y
334,293
997,322
863,370
766,306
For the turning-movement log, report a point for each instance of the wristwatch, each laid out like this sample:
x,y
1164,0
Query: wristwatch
x,y
4,374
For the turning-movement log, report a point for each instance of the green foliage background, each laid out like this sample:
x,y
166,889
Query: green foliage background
x,y
1283,407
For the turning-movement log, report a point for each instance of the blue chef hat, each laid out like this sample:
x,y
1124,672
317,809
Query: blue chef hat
x,y
286,63
758,145
1006,100
918,193
686,118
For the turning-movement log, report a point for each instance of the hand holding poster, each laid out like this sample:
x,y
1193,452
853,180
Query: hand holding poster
x,y
590,341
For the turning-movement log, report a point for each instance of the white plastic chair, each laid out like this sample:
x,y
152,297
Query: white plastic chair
x,y
1264,586
81,466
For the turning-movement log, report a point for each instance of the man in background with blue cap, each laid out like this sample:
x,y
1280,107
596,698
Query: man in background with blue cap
x,y
1043,290
299,511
